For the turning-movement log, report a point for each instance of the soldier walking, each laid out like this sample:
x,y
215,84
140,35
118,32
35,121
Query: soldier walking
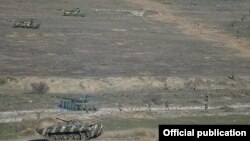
x,y
119,106
87,110
206,100
166,105
38,115
206,107
149,106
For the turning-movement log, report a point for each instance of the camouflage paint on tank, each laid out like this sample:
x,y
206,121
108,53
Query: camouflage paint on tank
x,y
26,24
75,127
79,103
74,12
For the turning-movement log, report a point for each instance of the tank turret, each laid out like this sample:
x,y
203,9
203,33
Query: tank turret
x,y
79,103
74,12
62,120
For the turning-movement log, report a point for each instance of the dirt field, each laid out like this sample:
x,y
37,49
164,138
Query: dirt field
x,y
126,52
114,39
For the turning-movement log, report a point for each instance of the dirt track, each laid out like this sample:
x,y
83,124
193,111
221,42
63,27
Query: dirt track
x,y
17,116
201,30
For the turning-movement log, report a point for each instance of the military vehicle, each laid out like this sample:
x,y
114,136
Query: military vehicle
x,y
30,23
71,130
79,103
74,12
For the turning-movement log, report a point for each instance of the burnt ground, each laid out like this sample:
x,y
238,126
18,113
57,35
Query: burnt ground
x,y
115,46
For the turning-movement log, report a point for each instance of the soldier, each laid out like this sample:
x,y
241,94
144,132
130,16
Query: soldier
x,y
206,107
238,34
38,115
243,18
149,106
206,100
87,110
231,76
119,106
166,105
232,24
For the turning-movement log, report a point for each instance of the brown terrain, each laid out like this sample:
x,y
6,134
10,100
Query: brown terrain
x,y
128,52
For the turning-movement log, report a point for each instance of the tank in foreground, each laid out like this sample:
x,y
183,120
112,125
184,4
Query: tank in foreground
x,y
71,130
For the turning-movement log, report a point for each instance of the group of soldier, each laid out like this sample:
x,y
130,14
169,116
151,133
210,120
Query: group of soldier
x,y
166,104
206,100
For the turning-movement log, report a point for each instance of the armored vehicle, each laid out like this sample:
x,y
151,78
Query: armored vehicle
x,y
74,12
79,103
30,23
71,130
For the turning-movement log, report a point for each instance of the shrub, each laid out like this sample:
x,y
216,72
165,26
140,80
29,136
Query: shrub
x,y
154,98
39,88
3,81
146,135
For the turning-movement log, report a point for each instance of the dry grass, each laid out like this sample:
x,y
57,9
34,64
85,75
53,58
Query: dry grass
x,y
137,134
166,14
39,88
95,85
146,135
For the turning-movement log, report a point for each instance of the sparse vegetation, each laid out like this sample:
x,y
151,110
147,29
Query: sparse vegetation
x,y
119,106
124,124
3,81
7,131
39,88
146,135
11,78
153,99
156,99
227,108
152,56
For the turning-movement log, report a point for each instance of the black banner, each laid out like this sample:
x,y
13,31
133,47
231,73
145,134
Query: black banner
x,y
203,132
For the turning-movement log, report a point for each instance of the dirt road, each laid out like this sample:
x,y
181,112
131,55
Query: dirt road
x,y
176,111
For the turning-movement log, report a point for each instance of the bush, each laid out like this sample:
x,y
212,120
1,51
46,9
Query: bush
x,y
3,81
226,108
39,88
155,99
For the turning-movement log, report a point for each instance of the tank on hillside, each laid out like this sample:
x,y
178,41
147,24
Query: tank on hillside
x,y
74,12
79,103
28,23
71,130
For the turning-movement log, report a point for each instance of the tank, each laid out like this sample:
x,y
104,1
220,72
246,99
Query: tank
x,y
79,103
74,12
26,24
71,130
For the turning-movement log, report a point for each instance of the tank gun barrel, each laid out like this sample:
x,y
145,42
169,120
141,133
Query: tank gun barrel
x,y
62,120
81,99
66,98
